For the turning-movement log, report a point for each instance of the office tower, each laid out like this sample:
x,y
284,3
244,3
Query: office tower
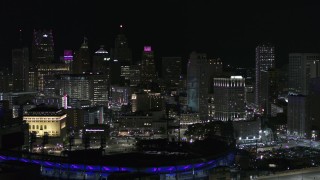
x,y
265,60
42,47
121,51
49,70
101,60
89,86
125,73
313,104
302,67
82,62
100,86
32,78
93,115
269,89
20,69
68,59
171,71
148,71
229,98
121,56
146,101
119,96
197,84
214,70
297,120
6,81
134,75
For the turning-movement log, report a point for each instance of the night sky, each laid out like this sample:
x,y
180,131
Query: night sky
x,y
229,30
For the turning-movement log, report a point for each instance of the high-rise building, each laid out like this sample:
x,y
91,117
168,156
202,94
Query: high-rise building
x,y
101,60
121,51
200,72
297,116
302,67
313,104
119,96
42,47
134,75
148,71
68,59
121,56
82,62
89,86
171,71
147,101
265,60
269,90
20,68
229,98
49,70
6,82
197,81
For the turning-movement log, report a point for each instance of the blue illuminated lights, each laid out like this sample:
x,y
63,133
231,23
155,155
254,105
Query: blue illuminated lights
x,y
24,160
3,157
106,170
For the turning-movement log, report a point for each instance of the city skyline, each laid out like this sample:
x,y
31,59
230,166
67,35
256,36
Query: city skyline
x,y
230,32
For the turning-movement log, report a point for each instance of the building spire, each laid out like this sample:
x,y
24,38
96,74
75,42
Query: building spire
x,y
20,38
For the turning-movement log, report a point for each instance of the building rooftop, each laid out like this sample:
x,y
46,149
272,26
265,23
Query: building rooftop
x,y
44,110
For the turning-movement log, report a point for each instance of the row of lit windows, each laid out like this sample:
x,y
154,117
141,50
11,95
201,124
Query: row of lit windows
x,y
37,127
43,121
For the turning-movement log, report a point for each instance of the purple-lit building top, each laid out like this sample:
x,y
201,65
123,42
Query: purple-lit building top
x,y
67,55
147,48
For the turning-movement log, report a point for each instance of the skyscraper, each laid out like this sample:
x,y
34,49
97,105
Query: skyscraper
x,y
101,60
197,84
20,68
297,116
121,51
82,62
42,47
265,60
121,60
229,98
302,67
171,71
148,71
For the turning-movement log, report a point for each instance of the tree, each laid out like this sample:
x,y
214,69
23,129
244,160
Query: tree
x,y
45,140
32,139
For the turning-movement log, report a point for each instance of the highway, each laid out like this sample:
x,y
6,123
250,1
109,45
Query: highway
x,y
302,174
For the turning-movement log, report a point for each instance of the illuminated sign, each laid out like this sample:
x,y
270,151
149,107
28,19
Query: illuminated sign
x,y
94,130
147,49
68,55
134,96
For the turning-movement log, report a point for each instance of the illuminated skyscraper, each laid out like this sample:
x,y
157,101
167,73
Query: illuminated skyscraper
x,y
148,71
88,86
42,47
101,60
197,84
265,60
229,98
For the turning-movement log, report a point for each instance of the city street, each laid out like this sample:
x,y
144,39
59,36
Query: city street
x,y
303,174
